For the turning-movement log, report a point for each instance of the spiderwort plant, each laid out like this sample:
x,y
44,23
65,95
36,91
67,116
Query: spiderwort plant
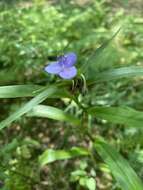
x,y
64,66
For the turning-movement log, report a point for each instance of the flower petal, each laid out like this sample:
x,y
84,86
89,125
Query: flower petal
x,y
68,73
70,59
53,68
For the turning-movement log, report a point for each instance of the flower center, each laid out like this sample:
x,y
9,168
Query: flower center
x,y
63,60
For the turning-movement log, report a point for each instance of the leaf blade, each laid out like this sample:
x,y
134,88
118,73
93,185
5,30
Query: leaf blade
x,y
118,115
51,155
28,106
52,113
31,90
16,91
124,72
98,52
120,168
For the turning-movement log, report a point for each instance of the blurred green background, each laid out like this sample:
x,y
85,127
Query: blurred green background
x,y
31,33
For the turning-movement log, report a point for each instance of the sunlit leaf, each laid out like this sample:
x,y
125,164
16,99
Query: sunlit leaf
x,y
51,155
87,182
52,113
91,183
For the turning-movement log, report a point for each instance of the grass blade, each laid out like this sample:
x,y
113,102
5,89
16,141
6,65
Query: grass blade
x,y
120,168
52,113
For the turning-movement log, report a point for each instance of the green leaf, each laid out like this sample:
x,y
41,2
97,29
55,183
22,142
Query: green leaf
x,y
118,115
87,182
28,106
94,58
91,183
77,174
120,168
52,113
124,72
51,155
82,181
19,91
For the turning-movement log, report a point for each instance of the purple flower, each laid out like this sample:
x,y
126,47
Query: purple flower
x,y
63,66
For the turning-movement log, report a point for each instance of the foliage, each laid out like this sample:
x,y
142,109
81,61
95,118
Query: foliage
x,y
55,133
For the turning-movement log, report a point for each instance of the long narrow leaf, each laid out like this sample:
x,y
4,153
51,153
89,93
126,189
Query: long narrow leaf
x,y
15,91
51,155
118,115
124,72
96,55
52,113
28,106
18,91
120,168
